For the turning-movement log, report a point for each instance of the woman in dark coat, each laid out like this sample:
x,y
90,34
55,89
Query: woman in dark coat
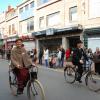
x,y
97,60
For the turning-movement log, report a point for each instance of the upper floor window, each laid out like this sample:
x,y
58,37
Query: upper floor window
x,y
13,29
94,6
32,4
30,25
43,1
9,29
73,13
41,22
26,7
21,10
53,19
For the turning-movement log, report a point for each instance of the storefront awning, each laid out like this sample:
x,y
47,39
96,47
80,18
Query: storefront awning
x,y
92,31
71,28
12,38
53,31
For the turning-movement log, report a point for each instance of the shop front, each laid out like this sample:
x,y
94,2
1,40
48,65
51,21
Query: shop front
x,y
93,38
29,42
1,43
54,38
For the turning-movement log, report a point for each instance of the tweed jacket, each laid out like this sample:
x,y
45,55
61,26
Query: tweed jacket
x,y
19,56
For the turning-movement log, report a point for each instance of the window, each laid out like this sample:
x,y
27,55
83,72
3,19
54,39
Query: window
x,y
9,29
53,19
26,7
32,4
94,6
73,13
43,1
20,10
13,29
30,25
41,22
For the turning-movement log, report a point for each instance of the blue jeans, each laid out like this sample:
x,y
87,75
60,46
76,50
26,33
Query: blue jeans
x,y
46,62
62,62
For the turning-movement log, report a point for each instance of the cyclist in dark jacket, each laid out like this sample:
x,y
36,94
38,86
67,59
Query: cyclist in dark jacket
x,y
79,56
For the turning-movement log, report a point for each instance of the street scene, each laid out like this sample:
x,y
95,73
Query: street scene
x,y
54,85
50,50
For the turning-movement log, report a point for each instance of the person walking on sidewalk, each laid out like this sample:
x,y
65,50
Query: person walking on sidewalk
x,y
62,56
59,57
40,56
46,57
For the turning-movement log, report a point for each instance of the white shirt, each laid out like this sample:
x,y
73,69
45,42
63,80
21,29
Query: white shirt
x,y
46,54
59,55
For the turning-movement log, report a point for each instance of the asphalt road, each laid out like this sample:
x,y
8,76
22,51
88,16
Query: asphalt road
x,y
54,85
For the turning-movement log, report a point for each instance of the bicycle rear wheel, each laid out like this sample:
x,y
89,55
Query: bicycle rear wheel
x,y
93,81
69,74
13,83
35,90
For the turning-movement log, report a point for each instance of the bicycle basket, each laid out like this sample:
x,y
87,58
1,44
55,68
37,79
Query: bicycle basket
x,y
34,75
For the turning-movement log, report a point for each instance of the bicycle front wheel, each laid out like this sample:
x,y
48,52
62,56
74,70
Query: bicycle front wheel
x,y
69,74
93,81
35,90
13,83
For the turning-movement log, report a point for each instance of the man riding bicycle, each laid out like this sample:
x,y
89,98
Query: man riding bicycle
x,y
20,63
79,56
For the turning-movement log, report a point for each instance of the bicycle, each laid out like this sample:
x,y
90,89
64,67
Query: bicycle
x,y
35,89
92,80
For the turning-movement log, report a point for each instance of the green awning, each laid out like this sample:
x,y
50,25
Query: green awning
x,y
92,31
1,42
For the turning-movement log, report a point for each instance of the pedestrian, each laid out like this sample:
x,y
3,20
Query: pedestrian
x,y
69,53
40,56
59,57
52,62
20,63
62,56
46,57
8,52
97,60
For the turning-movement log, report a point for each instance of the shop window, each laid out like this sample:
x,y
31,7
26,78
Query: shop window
x,y
73,13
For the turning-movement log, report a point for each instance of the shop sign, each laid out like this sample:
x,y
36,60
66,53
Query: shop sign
x,y
50,31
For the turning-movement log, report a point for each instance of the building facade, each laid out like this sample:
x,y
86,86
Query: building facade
x,y
11,19
2,28
26,12
54,23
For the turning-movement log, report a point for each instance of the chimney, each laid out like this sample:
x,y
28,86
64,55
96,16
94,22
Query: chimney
x,y
9,8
